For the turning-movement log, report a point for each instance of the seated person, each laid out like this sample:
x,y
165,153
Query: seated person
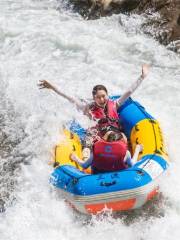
x,y
110,153
93,135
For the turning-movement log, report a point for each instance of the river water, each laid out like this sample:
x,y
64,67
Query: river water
x,y
41,39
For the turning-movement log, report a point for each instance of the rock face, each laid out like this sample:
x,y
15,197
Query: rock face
x,y
165,27
162,16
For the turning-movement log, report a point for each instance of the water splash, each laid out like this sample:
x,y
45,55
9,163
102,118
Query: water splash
x,y
40,40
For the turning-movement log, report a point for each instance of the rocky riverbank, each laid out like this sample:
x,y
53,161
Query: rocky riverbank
x,y
162,17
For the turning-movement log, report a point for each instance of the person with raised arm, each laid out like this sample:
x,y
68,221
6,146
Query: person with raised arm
x,y
103,110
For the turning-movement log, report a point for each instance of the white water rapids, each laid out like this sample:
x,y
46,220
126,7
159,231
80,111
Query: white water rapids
x,y
41,40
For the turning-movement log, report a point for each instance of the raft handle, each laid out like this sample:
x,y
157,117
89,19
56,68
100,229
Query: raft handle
x,y
136,128
56,164
152,121
140,172
74,181
158,152
71,135
107,184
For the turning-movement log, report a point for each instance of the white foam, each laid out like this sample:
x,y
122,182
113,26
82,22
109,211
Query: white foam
x,y
39,42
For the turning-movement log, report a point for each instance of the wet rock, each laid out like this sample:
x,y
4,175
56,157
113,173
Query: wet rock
x,y
163,21
93,9
162,16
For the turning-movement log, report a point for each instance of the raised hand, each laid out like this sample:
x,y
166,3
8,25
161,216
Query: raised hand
x,y
134,86
45,84
145,70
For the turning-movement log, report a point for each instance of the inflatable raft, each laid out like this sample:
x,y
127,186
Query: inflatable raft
x,y
122,190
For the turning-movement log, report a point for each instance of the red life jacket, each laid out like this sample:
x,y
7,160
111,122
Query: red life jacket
x,y
109,156
105,117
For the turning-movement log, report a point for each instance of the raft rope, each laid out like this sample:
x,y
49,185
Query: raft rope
x,y
56,164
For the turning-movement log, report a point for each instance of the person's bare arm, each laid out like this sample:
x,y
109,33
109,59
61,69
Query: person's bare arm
x,y
45,84
83,164
134,86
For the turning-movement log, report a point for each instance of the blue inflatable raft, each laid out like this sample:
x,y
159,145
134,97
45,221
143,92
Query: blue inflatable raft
x,y
122,190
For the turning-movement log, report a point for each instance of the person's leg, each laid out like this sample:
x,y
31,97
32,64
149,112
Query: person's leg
x,y
138,149
127,159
